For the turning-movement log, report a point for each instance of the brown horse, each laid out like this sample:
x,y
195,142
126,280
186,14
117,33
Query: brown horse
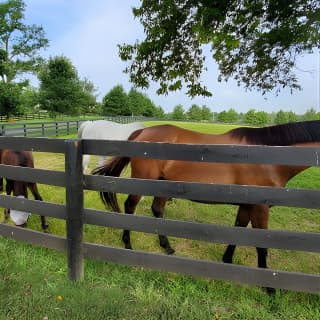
x,y
293,134
20,188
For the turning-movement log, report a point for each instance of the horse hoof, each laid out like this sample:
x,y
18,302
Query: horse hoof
x,y
270,291
170,251
227,260
46,229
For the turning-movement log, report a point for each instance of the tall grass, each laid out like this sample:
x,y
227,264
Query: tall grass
x,y
34,284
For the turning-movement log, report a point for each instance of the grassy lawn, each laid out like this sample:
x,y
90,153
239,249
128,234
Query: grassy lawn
x,y
34,284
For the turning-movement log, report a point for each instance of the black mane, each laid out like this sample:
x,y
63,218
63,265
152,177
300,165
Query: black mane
x,y
280,135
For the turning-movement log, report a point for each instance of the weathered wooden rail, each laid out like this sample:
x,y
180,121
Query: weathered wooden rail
x,y
53,128
76,215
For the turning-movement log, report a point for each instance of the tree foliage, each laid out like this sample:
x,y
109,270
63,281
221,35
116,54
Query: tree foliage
x,y
9,97
29,100
194,113
206,113
135,103
178,113
19,53
255,42
115,102
256,117
230,116
61,90
19,43
311,114
140,104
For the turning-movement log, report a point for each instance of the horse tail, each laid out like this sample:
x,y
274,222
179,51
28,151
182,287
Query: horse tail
x,y
112,168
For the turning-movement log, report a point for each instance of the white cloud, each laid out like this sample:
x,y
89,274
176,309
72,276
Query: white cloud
x,y
92,42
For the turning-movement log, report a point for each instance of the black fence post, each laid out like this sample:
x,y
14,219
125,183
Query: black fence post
x,y
74,205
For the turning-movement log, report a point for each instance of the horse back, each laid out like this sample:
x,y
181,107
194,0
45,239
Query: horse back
x,y
172,134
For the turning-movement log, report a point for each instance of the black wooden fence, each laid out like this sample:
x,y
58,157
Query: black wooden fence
x,y
25,116
54,128
76,215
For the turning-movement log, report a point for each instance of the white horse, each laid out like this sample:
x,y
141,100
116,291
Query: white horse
x,y
105,130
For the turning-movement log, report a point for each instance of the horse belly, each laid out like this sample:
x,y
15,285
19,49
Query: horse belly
x,y
221,173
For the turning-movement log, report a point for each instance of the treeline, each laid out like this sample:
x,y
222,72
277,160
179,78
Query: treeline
x,y
251,117
254,117
135,103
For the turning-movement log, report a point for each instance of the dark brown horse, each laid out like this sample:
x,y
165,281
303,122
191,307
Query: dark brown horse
x,y
20,188
293,134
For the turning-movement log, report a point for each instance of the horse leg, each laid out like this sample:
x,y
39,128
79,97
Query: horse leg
x,y
9,189
157,207
85,163
101,161
34,190
242,220
129,206
260,219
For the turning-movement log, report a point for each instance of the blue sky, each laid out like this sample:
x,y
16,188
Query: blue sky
x,y
88,32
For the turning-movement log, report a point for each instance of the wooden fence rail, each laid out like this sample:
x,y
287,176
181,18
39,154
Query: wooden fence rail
x,y
76,215
53,128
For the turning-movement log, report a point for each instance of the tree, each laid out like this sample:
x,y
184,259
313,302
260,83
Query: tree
x,y
250,116
9,97
292,117
140,104
256,117
61,91
194,113
150,109
262,118
29,100
206,113
311,114
230,116
281,117
19,53
178,113
89,103
19,43
255,42
136,102
115,102
159,113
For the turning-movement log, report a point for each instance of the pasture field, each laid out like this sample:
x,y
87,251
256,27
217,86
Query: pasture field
x,y
34,284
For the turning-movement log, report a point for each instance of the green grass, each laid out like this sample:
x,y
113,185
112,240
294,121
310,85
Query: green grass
x,y
34,286
32,279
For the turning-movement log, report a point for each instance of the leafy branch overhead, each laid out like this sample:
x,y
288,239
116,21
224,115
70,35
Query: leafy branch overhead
x,y
19,43
254,42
